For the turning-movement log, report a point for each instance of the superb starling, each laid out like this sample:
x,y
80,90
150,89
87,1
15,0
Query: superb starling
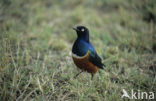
x,y
83,53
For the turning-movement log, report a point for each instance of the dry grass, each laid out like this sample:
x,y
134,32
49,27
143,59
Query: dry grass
x,y
36,38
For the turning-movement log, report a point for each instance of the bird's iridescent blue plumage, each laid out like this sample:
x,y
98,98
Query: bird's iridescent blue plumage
x,y
82,46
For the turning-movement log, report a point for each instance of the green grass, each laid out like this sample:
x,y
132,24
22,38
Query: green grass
x,y
36,38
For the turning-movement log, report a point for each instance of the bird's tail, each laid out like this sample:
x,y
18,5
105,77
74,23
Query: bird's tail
x,y
102,65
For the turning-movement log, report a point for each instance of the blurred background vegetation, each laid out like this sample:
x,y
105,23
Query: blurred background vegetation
x,y
36,38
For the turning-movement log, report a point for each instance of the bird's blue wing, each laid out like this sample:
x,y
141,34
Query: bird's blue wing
x,y
94,58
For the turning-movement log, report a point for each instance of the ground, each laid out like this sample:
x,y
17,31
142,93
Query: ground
x,y
36,39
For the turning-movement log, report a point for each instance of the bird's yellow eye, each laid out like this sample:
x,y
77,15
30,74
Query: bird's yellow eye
x,y
82,29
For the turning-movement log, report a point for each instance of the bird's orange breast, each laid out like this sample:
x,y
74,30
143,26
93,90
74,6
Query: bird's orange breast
x,y
84,64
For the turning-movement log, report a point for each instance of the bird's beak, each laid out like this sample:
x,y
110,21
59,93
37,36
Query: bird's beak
x,y
75,29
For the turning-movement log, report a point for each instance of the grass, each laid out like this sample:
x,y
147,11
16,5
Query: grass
x,y
36,38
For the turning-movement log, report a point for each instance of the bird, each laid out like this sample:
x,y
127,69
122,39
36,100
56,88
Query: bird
x,y
84,54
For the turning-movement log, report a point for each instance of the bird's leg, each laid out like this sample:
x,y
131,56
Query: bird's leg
x,y
77,74
92,75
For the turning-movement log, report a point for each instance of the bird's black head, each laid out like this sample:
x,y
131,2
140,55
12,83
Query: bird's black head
x,y
82,33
